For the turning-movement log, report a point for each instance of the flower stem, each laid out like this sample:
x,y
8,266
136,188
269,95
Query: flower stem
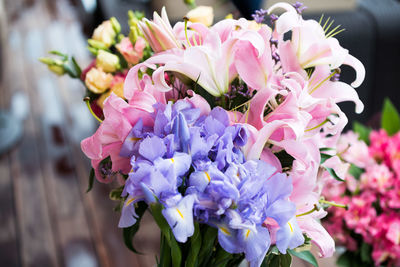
x,y
331,203
87,100
308,212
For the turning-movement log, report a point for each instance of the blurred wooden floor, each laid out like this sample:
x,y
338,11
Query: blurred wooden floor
x,y
46,218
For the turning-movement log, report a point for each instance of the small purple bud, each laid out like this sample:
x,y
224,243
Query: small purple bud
x,y
183,133
273,18
299,6
259,15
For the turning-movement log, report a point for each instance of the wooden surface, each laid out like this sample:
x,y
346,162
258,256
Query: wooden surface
x,y
46,218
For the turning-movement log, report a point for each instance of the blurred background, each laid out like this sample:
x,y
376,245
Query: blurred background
x,y
46,218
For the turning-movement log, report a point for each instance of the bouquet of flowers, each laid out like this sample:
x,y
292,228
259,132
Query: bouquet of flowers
x,y
370,229
217,130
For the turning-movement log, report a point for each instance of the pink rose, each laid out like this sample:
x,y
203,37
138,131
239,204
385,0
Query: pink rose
x,y
132,53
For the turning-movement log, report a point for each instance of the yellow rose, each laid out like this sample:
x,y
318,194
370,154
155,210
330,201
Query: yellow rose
x,y
105,33
107,61
98,81
102,98
117,88
201,14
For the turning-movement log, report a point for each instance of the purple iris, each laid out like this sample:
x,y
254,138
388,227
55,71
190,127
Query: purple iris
x,y
193,165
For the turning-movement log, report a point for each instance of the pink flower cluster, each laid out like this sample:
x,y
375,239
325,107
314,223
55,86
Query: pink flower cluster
x,y
291,86
373,198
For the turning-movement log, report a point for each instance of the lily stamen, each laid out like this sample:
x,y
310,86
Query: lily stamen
x,y
331,203
316,208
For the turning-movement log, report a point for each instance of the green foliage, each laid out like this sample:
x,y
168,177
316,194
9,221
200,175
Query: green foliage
x,y
195,245
176,254
360,258
277,260
130,232
165,253
390,120
325,157
365,253
355,171
334,175
209,238
115,194
91,181
363,131
306,256
221,258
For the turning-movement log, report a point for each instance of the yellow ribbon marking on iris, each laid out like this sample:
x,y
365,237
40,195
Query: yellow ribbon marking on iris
x,y
172,159
180,213
225,231
208,176
134,139
290,226
247,233
129,201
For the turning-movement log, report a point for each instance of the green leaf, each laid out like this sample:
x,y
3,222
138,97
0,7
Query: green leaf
x,y
285,260
365,253
325,157
195,245
277,260
91,181
156,209
355,171
274,250
115,194
165,256
344,260
208,242
305,256
210,235
58,53
334,175
390,118
326,149
272,261
222,258
78,70
363,131
130,232
68,70
176,253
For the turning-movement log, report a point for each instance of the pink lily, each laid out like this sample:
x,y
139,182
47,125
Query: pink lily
x,y
159,33
317,233
210,65
253,68
107,142
310,46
